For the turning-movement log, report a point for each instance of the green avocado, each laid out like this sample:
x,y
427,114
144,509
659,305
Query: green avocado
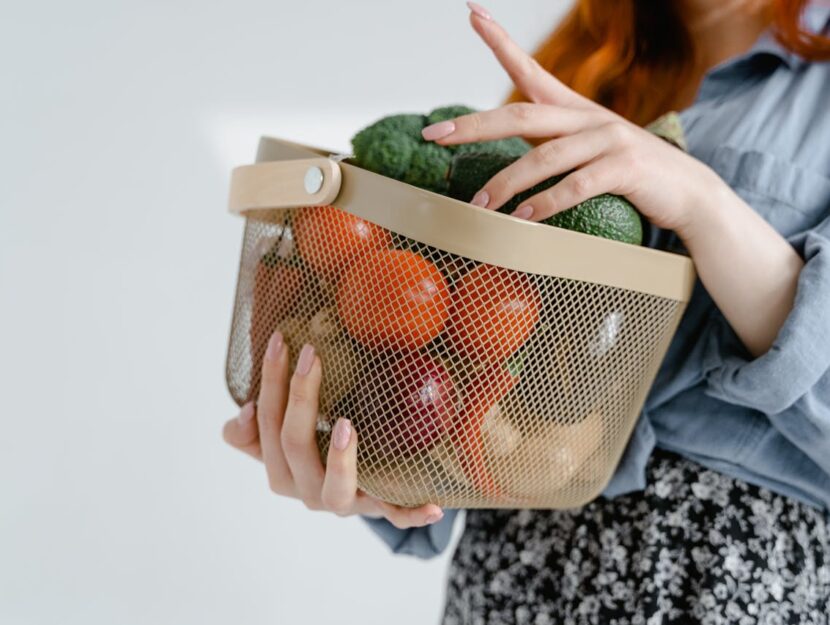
x,y
607,216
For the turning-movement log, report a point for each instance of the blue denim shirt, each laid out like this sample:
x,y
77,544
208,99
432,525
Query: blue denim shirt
x,y
762,122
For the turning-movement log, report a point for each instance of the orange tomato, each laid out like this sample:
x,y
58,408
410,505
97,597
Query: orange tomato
x,y
328,238
393,299
493,313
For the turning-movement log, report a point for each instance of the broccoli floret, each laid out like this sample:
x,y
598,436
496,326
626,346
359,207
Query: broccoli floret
x,y
512,146
429,167
444,113
393,147
386,147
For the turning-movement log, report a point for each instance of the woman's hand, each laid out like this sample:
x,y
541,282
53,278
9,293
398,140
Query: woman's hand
x,y
281,432
604,152
748,268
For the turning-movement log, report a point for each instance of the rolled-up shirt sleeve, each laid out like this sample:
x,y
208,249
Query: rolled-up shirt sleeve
x,y
790,383
421,542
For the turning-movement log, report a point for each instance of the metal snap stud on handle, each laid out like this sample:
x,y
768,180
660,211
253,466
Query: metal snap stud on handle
x,y
289,183
313,180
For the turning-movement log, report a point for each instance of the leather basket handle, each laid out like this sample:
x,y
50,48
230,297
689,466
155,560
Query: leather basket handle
x,y
284,184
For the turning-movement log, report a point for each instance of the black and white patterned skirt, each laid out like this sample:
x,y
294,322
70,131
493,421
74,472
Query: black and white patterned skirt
x,y
695,546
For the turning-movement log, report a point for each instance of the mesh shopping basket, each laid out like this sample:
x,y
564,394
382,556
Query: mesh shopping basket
x,y
485,361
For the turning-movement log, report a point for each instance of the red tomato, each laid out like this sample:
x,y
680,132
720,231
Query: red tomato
x,y
393,299
493,313
328,238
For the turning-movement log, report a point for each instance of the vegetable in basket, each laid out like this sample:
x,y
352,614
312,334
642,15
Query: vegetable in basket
x,y
608,216
405,405
484,391
335,350
393,147
328,238
494,312
279,283
393,299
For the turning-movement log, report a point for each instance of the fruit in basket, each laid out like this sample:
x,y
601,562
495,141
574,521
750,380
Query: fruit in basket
x,y
328,238
607,216
405,405
335,350
393,147
494,311
393,299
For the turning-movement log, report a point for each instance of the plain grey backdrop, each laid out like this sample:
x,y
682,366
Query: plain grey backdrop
x,y
119,123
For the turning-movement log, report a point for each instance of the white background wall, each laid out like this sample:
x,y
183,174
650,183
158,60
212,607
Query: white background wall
x,y
119,122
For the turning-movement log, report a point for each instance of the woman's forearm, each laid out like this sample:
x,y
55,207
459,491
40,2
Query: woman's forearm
x,y
749,269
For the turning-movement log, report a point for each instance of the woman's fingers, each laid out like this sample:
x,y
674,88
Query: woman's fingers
x,y
536,83
404,518
548,159
594,179
243,433
273,395
517,119
340,483
299,429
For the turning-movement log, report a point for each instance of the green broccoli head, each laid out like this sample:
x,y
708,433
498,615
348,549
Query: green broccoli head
x,y
386,147
444,113
393,147
429,167
510,147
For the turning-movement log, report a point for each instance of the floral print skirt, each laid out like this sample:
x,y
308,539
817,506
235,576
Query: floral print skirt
x,y
695,546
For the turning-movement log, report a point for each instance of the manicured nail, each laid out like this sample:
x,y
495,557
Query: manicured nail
x,y
246,414
274,346
434,518
342,434
479,10
482,198
523,212
305,360
438,131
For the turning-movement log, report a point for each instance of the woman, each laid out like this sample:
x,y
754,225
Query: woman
x,y
718,509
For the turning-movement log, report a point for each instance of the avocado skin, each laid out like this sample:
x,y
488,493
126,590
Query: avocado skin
x,y
608,216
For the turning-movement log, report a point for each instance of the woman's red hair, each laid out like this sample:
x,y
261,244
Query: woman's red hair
x,y
635,57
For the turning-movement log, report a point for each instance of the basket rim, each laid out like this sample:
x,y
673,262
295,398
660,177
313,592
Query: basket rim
x,y
480,234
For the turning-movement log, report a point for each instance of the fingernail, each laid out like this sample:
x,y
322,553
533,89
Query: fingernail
x,y
274,346
438,131
434,518
479,10
342,434
523,212
246,414
482,198
305,360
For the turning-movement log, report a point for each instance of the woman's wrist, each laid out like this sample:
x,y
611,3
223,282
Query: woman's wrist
x,y
747,267
710,207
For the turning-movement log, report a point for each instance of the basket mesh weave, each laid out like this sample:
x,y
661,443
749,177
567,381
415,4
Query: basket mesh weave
x,y
469,385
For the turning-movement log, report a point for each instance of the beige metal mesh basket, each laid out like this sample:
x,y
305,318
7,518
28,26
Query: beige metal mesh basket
x,y
485,362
